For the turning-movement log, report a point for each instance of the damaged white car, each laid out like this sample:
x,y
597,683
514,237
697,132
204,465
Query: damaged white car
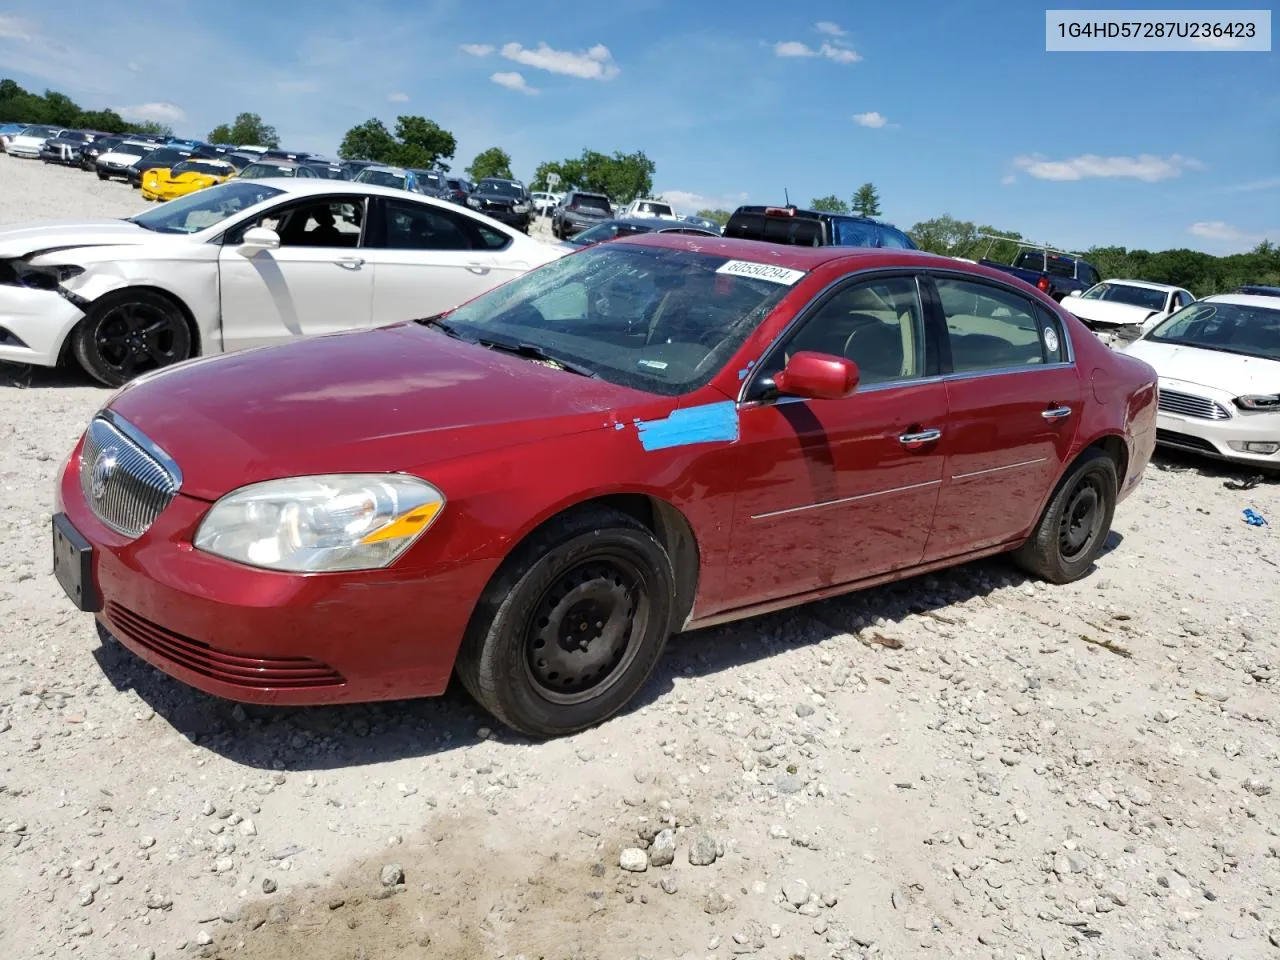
x,y
1120,311
242,264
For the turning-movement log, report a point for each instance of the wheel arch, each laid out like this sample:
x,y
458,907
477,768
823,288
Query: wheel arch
x,y
187,314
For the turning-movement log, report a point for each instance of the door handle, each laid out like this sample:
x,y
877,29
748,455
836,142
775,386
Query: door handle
x,y
920,438
480,268
350,263
1056,413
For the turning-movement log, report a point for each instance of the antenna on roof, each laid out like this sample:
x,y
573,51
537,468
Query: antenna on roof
x,y
786,196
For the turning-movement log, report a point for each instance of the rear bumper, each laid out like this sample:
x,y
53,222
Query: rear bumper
x,y
28,153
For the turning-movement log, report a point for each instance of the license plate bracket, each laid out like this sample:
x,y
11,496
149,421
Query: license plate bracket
x,y
73,565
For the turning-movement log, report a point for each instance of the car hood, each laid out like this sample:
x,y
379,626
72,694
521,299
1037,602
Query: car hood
x,y
1109,312
398,398
61,235
1229,372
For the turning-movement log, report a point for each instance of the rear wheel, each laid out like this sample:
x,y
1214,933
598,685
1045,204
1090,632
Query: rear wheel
x,y
1075,524
102,176
130,332
571,626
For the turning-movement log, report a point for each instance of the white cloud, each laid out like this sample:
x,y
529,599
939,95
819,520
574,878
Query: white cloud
x,y
1008,179
398,97
829,28
685,201
12,28
159,112
870,119
477,49
1146,167
794,48
514,81
593,64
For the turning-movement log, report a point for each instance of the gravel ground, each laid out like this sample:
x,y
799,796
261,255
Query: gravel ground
x,y
969,764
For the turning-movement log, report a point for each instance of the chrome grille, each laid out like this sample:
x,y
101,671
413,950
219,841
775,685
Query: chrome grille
x,y
1189,405
126,479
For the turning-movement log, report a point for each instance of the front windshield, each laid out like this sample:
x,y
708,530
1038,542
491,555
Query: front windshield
x,y
1228,327
1127,293
133,149
204,209
204,167
45,132
651,318
499,187
256,171
382,178
609,230
165,158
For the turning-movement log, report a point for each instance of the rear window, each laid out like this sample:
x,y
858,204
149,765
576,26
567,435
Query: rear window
x,y
1052,263
587,201
795,231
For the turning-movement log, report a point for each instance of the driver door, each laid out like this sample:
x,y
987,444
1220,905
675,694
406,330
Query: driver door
x,y
835,491
315,282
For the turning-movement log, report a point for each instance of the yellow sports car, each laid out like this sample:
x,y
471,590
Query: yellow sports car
x,y
186,177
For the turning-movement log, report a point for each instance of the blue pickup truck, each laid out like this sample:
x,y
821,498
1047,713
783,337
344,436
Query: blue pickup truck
x,y
1057,274
813,228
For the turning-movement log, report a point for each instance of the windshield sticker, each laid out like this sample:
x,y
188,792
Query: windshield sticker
x,y
761,271
652,364
1050,340
708,423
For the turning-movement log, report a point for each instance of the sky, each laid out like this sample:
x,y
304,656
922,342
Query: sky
x,y
947,107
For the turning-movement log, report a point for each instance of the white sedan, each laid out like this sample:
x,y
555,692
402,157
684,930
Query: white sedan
x,y
1219,367
29,141
242,264
1120,311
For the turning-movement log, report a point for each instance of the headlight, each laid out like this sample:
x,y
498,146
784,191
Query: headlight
x,y
19,273
1259,402
521,208
473,202
321,524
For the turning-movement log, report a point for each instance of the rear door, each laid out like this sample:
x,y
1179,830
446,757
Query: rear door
x,y
315,282
1014,396
428,258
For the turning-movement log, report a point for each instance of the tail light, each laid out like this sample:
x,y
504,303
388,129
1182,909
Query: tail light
x,y
1043,284
779,211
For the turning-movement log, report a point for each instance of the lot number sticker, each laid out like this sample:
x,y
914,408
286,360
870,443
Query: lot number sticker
x,y
1051,340
761,271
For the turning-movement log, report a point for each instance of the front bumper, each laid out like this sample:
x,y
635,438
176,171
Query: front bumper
x,y
1221,439
512,219
34,324
113,169
59,156
257,636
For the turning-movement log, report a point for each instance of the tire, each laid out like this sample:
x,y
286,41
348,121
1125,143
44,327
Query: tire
x,y
1074,526
128,333
102,176
519,659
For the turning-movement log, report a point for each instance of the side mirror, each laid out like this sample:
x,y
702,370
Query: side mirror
x,y
817,376
259,238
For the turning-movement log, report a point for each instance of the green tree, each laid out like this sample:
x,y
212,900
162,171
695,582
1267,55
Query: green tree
x,y
153,127
829,204
620,176
61,109
866,202
370,140
247,129
108,121
494,162
424,144
719,216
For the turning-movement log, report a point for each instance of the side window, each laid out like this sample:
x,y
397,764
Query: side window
x,y
1091,276
419,226
991,328
894,239
877,324
313,223
1185,299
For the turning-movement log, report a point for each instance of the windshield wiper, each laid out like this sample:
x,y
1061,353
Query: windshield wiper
x,y
535,352
445,328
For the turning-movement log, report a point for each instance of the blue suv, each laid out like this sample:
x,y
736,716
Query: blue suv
x,y
813,228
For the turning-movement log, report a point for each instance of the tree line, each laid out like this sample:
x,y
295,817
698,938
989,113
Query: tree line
x,y
18,105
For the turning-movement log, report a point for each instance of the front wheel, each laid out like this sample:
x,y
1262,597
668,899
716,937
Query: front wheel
x,y
128,333
102,176
1075,524
571,626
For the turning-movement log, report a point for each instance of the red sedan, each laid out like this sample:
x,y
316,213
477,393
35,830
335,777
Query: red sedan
x,y
536,489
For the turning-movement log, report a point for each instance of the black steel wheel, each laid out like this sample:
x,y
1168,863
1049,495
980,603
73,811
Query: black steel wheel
x,y
571,625
1074,526
128,333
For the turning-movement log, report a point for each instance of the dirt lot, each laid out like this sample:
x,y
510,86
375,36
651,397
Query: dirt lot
x,y
967,765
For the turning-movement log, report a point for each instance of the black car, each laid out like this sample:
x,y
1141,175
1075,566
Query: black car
x,y
456,190
813,228
89,152
294,156
507,201
164,158
578,210
630,226
1258,290
66,148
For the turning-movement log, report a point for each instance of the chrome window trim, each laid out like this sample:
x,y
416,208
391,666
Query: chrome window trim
x,y
145,443
808,309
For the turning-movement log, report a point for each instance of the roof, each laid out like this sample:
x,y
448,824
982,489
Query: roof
x,y
1145,284
649,223
309,186
1244,300
797,258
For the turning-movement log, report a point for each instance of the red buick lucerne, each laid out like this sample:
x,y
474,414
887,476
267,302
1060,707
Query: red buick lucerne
x,y
537,488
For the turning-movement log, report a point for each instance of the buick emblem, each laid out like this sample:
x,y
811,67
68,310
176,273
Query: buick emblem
x,y
103,468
